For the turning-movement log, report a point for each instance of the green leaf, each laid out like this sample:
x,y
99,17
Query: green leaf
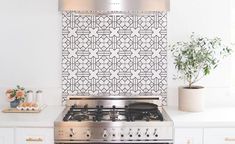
x,y
198,56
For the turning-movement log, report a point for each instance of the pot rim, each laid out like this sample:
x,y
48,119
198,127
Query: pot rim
x,y
195,87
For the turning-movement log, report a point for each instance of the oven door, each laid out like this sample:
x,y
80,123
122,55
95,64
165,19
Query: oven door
x,y
114,142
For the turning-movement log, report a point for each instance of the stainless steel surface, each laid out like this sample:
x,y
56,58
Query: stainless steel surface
x,y
139,131
118,142
109,101
113,131
114,6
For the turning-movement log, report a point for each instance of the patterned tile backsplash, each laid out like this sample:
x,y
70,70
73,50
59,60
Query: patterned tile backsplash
x,y
114,55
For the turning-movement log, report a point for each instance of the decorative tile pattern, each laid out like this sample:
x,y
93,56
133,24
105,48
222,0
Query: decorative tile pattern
x,y
114,55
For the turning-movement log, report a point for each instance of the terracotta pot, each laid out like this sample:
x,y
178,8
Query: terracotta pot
x,y
191,99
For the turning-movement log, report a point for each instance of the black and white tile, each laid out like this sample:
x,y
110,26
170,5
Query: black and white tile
x,y
114,55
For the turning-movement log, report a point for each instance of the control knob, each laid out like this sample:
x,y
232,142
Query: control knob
x,y
113,133
130,133
155,133
88,134
122,135
138,133
147,133
71,133
105,134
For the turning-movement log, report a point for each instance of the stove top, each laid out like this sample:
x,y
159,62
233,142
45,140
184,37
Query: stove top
x,y
101,113
121,119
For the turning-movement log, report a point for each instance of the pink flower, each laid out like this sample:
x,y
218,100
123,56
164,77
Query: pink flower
x,y
20,94
10,98
9,91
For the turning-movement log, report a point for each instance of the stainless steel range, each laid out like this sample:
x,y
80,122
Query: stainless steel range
x,y
113,120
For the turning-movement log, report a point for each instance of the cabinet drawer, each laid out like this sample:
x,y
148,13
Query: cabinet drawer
x,y
6,136
219,136
34,136
188,136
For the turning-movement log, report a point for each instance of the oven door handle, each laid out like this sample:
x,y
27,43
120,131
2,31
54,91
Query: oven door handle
x,y
110,142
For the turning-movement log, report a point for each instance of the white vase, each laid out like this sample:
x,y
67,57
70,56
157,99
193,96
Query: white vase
x,y
191,100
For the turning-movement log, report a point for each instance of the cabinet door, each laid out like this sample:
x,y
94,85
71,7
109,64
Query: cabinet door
x,y
6,136
189,136
34,136
219,136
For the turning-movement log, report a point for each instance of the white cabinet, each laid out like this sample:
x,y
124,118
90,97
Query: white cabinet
x,y
6,136
188,136
34,136
219,136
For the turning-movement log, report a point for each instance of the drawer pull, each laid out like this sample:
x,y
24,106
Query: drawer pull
x,y
189,142
34,139
229,139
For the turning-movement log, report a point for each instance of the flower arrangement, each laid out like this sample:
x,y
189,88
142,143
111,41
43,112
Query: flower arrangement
x,y
16,94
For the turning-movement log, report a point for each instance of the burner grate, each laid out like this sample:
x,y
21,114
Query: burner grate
x,y
100,113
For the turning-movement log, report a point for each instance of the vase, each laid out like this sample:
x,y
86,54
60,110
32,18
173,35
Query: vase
x,y
14,103
191,100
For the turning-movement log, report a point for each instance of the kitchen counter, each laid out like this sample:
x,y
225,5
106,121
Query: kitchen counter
x,y
43,119
211,117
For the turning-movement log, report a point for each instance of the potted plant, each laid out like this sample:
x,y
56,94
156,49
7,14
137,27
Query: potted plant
x,y
194,60
15,96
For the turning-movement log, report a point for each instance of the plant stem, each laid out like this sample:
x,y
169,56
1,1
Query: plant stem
x,y
190,82
198,79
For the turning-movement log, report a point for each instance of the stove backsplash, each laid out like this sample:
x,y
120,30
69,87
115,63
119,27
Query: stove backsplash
x,y
109,55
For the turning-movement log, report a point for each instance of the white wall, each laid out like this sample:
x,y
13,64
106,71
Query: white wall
x,y
30,45
209,18
30,52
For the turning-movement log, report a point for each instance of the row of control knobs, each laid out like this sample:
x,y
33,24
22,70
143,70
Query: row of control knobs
x,y
130,133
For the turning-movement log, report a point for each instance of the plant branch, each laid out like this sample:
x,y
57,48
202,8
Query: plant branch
x,y
196,58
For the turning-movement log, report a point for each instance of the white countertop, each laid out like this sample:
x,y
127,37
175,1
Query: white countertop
x,y
211,117
45,118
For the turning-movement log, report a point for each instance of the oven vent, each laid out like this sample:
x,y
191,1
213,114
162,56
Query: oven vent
x,y
114,6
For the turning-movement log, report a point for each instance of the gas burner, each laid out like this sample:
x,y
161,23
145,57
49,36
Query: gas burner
x,y
98,114
113,114
78,117
84,110
89,120
77,114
